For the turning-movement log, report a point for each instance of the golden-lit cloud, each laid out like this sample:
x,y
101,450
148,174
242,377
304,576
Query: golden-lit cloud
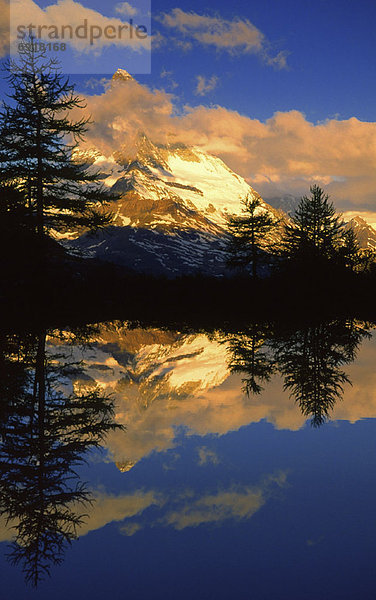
x,y
214,508
284,154
207,456
108,508
4,28
188,509
205,85
233,36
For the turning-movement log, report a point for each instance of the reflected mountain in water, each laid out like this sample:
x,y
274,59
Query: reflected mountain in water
x,y
45,435
217,382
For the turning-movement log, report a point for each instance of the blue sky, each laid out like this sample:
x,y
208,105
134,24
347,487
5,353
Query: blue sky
x,y
330,47
282,91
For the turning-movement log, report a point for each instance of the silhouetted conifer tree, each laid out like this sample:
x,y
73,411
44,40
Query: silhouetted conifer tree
x,y
314,233
58,191
250,355
249,235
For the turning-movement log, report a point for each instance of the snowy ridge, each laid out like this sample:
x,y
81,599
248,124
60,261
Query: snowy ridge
x,y
174,202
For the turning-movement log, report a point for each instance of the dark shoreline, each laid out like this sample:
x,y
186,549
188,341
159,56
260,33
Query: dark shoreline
x,y
76,291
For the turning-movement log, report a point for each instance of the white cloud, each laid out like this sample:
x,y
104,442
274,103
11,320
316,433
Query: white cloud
x,y
233,36
126,9
204,85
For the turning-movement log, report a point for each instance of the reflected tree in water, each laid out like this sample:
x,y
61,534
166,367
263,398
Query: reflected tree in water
x,y
310,360
250,354
45,435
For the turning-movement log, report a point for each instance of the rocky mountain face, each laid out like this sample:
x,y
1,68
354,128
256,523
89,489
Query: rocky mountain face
x,y
365,234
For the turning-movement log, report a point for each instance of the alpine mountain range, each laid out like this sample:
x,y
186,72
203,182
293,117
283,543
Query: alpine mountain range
x,y
173,204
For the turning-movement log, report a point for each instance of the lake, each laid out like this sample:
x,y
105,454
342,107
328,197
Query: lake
x,y
143,462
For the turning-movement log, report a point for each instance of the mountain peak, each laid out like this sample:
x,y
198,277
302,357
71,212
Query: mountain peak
x,y
365,233
122,75
125,466
360,221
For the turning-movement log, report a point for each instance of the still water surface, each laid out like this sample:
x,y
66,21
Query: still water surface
x,y
217,465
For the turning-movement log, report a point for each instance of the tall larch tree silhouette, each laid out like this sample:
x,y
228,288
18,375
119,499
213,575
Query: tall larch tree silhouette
x,y
314,233
38,141
249,234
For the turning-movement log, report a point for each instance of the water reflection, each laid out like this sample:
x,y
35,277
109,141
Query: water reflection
x,y
309,359
250,353
45,434
64,393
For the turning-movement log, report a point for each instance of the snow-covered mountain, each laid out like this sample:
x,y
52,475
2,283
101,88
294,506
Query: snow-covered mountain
x,y
158,379
365,233
173,205
174,202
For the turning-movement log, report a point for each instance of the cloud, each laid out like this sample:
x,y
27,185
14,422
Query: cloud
x,y
236,503
284,154
126,9
108,508
180,509
165,73
235,36
189,510
204,85
215,508
4,28
279,61
130,529
168,76
207,456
